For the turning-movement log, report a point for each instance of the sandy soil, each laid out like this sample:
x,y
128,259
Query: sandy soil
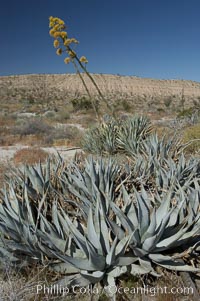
x,y
7,152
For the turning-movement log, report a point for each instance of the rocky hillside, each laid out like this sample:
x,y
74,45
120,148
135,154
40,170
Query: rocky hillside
x,y
140,91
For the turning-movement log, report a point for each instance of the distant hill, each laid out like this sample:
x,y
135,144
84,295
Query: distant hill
x,y
141,92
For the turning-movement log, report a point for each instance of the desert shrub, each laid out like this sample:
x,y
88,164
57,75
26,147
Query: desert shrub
x,y
192,134
185,113
59,116
50,114
123,105
167,101
82,104
67,132
126,105
63,115
30,156
33,127
45,133
161,110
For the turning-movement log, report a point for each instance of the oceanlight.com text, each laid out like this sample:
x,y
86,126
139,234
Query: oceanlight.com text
x,y
145,290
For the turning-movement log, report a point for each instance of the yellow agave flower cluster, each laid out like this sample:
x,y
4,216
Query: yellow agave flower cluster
x,y
61,37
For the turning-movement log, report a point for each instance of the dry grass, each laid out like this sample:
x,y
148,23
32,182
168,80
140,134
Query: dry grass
x,y
4,168
22,285
192,134
8,140
29,156
18,285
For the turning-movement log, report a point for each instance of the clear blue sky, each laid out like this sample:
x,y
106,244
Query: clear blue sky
x,y
146,38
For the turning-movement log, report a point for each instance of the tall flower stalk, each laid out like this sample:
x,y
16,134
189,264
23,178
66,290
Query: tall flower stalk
x,y
64,44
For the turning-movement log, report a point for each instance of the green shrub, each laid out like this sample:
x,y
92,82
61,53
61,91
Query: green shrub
x,y
192,134
63,115
50,114
161,110
83,104
167,101
123,105
185,113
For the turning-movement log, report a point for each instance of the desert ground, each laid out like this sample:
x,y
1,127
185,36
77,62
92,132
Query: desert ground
x,y
46,114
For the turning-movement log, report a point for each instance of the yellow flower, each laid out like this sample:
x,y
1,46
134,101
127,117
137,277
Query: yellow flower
x,y
67,42
55,19
83,60
59,51
56,34
51,24
63,34
57,27
52,32
56,43
67,60
62,27
73,40
72,53
61,22
51,18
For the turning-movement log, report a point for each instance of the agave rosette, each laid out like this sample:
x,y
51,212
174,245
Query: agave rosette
x,y
163,227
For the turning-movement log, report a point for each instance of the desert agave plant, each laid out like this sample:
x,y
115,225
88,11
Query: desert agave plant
x,y
18,222
39,180
132,133
162,173
115,227
132,137
98,179
143,224
150,146
181,173
137,235
101,139
113,136
105,177
162,148
92,255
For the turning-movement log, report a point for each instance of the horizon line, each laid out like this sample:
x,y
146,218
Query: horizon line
x,y
113,74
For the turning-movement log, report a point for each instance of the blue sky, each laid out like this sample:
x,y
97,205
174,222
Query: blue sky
x,y
145,38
